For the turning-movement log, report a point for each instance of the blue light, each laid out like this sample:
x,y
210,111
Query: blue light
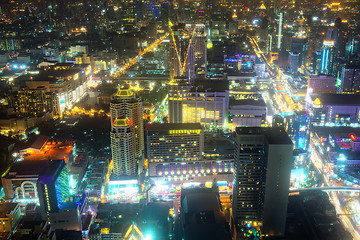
x,y
15,66
231,60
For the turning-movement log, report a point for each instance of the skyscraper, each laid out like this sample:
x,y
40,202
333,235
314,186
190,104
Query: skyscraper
x,y
53,187
188,51
126,104
123,147
293,62
328,57
316,62
263,159
350,79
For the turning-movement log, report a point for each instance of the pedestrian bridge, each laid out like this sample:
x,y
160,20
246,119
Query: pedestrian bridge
x,y
328,189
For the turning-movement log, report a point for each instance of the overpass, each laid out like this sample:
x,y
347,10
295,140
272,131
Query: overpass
x,y
328,189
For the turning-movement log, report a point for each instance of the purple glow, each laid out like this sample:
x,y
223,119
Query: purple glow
x,y
223,166
199,167
217,167
211,166
187,168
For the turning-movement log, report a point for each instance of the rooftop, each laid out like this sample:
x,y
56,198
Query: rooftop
x,y
248,101
172,126
6,208
274,135
336,99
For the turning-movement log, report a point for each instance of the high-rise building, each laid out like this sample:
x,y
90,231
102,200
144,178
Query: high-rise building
x,y
328,57
300,45
263,158
352,47
123,147
293,62
350,79
316,62
188,51
53,187
126,104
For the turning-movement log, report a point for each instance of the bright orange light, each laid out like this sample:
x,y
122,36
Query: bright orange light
x,y
353,137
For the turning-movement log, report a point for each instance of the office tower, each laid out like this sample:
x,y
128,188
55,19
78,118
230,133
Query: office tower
x,y
123,147
333,35
126,104
181,53
293,62
279,29
352,47
316,62
263,158
350,79
328,57
300,45
53,187
200,49
188,51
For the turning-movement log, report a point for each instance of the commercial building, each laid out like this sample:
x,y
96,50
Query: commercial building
x,y
263,158
297,126
334,109
293,62
123,147
316,62
322,84
247,112
300,45
126,104
174,141
53,188
350,79
206,102
10,215
34,102
202,216
20,180
328,57
67,81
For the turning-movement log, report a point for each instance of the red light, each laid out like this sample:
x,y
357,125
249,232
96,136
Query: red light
x,y
246,7
129,121
353,137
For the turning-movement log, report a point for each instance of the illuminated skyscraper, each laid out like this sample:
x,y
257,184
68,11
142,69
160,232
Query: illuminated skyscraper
x,y
126,104
328,57
53,188
123,147
188,51
263,158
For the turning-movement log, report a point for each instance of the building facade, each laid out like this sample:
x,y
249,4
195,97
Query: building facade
x,y
334,109
263,158
198,105
126,104
53,188
328,57
123,147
